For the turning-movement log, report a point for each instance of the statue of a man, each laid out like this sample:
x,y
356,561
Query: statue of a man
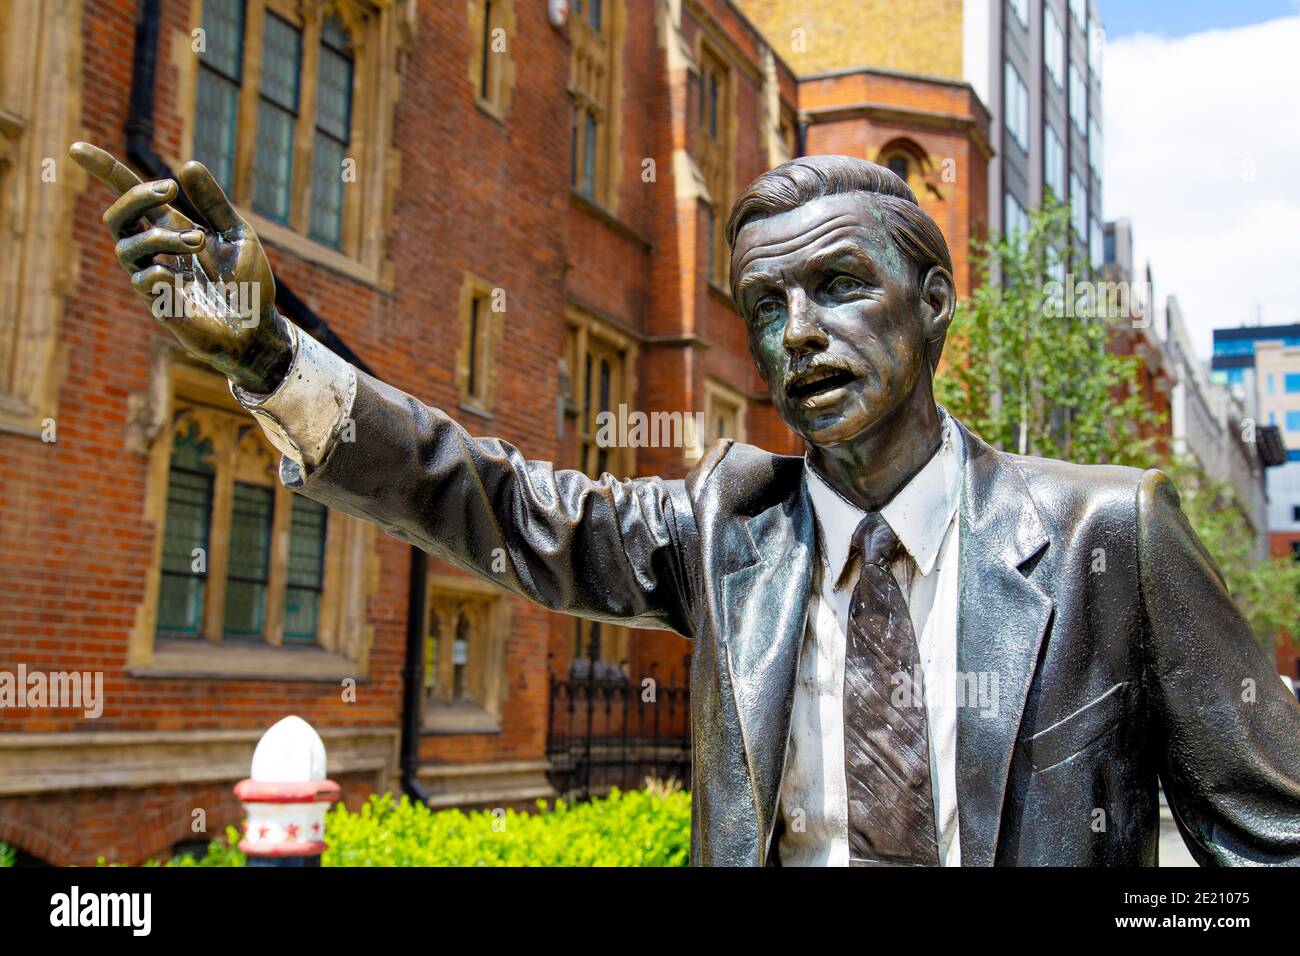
x,y
902,654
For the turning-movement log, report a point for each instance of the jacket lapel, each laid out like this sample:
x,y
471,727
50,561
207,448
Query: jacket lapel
x,y
764,604
1002,616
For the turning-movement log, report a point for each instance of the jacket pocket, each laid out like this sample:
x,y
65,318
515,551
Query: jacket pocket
x,y
1067,737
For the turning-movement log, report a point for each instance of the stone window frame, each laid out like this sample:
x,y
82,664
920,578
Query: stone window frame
x,y
379,30
787,133
587,335
920,173
613,642
715,149
450,599
596,86
719,396
40,113
481,327
778,121
183,392
484,17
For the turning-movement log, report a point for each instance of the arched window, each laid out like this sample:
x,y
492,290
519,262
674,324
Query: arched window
x,y
906,160
243,558
900,166
463,654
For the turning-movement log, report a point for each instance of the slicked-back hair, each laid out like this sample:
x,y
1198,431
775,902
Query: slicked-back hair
x,y
802,180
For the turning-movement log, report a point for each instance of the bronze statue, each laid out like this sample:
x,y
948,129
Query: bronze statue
x,y
904,653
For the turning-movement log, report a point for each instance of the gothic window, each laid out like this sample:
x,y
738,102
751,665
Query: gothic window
x,y
481,320
185,538
595,37
242,556
601,361
491,24
715,157
724,412
282,91
463,648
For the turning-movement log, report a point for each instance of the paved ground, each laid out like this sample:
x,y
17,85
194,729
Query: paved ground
x,y
1173,851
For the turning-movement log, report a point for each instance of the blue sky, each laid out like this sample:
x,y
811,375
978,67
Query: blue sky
x,y
1178,18
1201,145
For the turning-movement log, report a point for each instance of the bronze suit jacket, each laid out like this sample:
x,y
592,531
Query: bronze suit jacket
x,y
1119,656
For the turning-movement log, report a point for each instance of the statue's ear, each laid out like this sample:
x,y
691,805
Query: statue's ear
x,y
938,303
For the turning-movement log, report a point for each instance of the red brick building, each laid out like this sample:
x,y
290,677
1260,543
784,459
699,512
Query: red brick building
x,y
515,219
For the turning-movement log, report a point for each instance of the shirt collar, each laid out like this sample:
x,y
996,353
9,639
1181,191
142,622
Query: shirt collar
x,y
919,513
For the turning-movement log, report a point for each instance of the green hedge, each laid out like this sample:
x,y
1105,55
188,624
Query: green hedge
x,y
7,854
636,828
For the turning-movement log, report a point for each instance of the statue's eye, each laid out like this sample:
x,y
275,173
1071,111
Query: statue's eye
x,y
843,285
769,309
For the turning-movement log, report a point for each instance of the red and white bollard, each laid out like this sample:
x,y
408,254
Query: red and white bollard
x,y
286,797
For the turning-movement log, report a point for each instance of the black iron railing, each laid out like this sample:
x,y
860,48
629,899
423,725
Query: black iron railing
x,y
607,730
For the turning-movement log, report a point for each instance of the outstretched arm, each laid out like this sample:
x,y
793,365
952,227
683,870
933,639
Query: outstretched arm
x,y
606,549
1231,729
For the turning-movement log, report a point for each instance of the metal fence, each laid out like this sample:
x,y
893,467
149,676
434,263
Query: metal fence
x,y
605,730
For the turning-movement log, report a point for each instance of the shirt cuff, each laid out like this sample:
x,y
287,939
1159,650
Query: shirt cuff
x,y
306,412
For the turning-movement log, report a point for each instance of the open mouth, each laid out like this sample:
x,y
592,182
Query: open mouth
x,y
818,383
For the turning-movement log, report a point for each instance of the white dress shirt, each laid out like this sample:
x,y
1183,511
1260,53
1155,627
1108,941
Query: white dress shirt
x,y
309,410
814,793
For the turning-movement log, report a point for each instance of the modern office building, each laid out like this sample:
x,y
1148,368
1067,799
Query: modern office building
x,y
1036,65
1041,69
1262,365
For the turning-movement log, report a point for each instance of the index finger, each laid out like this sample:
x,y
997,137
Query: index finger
x,y
119,178
101,164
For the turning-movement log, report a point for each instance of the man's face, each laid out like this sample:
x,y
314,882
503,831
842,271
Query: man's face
x,y
836,322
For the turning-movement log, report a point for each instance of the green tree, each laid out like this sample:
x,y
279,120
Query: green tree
x,y
1029,371
1267,591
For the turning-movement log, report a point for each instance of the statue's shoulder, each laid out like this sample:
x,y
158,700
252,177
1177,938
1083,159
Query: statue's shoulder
x,y
1077,495
742,473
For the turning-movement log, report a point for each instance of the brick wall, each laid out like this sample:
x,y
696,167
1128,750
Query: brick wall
x,y
942,124
815,36
475,194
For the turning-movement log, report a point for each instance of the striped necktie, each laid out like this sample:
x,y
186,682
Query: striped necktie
x,y
886,746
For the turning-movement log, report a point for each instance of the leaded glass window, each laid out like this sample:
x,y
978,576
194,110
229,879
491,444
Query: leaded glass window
x,y
183,585
431,660
333,133
217,94
276,116
460,658
589,154
250,560
306,570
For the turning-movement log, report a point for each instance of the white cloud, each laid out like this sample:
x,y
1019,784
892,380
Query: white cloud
x,y
1202,141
